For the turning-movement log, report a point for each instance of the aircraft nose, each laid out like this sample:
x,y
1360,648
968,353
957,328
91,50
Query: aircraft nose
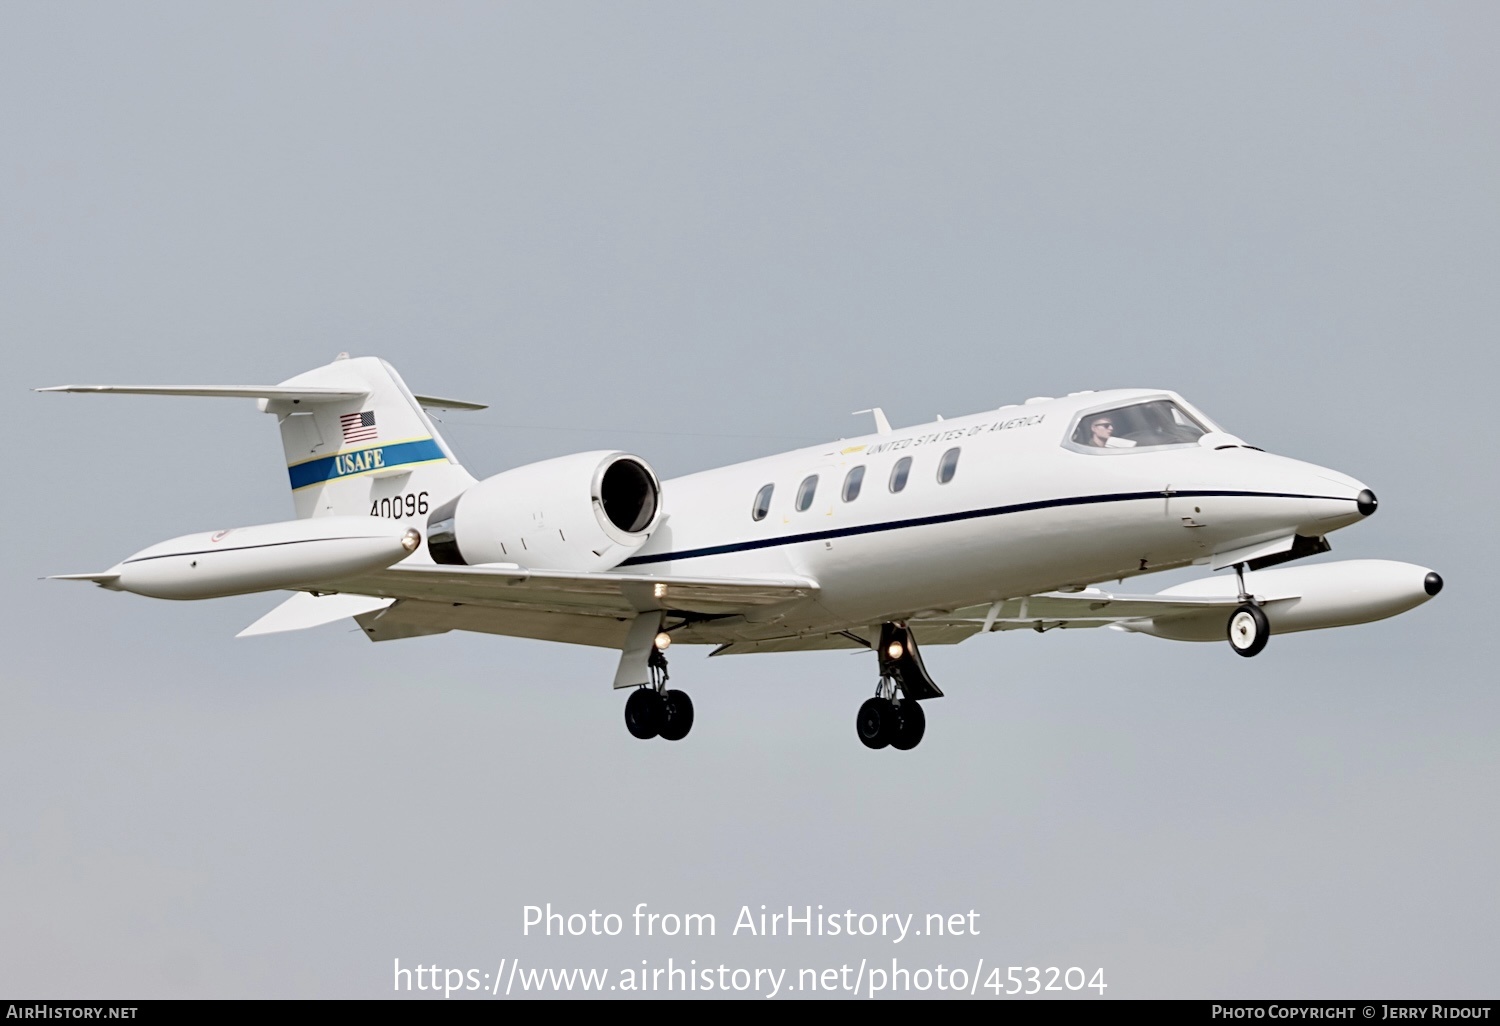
x,y
1366,503
1337,500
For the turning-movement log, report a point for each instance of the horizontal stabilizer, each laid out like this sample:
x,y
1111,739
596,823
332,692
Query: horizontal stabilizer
x,y
295,394
306,609
433,402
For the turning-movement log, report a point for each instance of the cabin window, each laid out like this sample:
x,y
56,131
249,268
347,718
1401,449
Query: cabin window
x,y
806,492
948,466
762,503
900,472
1137,425
852,483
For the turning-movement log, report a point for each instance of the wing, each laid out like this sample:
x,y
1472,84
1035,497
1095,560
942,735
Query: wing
x,y
751,638
1045,612
1050,610
551,605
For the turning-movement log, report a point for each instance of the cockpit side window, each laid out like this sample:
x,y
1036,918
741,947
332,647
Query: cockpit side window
x,y
1154,422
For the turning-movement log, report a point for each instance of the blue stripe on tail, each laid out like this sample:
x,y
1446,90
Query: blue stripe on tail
x,y
369,460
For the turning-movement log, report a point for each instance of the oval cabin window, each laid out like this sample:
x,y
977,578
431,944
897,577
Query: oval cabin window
x,y
762,503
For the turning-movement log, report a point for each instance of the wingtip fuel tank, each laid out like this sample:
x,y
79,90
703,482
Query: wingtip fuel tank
x,y
241,560
1304,598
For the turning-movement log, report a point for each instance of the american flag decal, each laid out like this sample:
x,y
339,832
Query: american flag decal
x,y
358,427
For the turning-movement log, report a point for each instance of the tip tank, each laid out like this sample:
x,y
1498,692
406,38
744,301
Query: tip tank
x,y
1303,598
287,555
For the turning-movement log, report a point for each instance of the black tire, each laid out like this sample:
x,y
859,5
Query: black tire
x,y
679,716
645,713
877,722
911,725
1249,630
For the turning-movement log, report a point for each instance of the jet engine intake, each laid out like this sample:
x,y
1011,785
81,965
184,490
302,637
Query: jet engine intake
x,y
586,512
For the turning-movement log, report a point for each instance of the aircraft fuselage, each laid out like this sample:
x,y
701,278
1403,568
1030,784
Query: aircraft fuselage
x,y
1023,512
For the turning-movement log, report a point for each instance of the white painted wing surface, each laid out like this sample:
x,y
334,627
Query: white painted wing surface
x,y
605,592
306,609
550,605
1088,608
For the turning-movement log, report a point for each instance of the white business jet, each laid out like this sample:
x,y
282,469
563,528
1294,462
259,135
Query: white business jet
x,y
924,535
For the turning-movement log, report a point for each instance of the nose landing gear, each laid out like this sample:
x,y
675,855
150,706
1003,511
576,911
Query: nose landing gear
x,y
1249,630
1249,627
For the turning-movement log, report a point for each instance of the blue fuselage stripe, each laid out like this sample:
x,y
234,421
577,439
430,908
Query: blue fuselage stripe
x,y
364,461
949,518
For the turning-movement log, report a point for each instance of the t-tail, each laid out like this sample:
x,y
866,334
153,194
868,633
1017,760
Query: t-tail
x,y
358,442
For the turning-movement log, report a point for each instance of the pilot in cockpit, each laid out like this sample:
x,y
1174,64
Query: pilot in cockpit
x,y
1102,433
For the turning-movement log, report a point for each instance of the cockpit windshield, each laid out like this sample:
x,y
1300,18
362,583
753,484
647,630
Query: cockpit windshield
x,y
1137,425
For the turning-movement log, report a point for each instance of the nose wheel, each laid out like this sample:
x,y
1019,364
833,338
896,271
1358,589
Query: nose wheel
x,y
1249,630
1249,627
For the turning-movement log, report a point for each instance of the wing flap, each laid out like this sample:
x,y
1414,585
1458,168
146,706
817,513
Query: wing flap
x,y
410,618
794,643
1087,608
855,639
604,594
308,609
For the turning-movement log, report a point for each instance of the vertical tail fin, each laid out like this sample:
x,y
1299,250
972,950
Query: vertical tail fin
x,y
377,454
357,441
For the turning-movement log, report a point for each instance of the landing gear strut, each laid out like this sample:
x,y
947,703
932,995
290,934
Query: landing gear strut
x,y
654,711
893,716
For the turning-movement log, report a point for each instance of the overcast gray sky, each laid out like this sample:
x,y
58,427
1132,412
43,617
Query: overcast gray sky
x,y
703,233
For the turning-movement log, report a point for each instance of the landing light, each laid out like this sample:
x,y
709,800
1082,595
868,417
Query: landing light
x,y
411,539
894,650
662,641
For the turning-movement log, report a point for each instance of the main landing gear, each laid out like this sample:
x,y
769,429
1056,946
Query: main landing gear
x,y
1249,628
888,719
893,716
652,710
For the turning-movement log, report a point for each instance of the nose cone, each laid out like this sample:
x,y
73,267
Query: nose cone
x,y
1432,584
1366,503
1336,500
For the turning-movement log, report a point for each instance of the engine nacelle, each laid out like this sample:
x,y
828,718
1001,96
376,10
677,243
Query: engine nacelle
x,y
585,512
1303,598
